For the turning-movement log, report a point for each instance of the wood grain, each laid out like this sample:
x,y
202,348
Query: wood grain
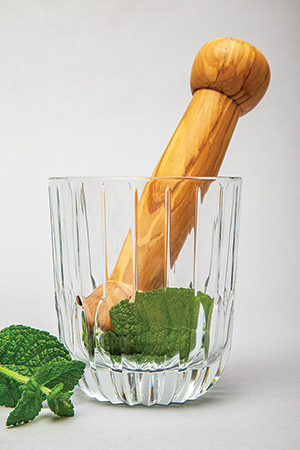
x,y
229,77
234,67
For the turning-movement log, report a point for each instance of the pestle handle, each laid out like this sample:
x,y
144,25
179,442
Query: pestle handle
x,y
229,77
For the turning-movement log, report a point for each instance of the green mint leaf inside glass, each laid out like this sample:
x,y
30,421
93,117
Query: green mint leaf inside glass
x,y
158,324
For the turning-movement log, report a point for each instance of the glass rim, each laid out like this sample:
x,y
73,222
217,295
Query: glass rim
x,y
140,178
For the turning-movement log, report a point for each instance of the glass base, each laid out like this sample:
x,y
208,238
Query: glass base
x,y
151,388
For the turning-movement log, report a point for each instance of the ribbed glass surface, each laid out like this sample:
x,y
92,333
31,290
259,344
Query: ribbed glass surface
x,y
114,236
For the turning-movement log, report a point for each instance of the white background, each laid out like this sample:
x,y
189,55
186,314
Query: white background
x,y
97,87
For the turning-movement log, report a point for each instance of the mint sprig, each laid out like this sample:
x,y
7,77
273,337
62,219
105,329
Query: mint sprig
x,y
35,366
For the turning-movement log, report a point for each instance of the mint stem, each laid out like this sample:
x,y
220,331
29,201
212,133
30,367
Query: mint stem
x,y
20,378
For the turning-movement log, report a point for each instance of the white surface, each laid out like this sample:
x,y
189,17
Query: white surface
x,y
97,88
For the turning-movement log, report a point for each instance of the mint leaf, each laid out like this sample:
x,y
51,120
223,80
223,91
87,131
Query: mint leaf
x,y
87,337
35,366
66,373
111,343
28,406
59,402
126,325
10,390
23,350
30,347
158,324
208,309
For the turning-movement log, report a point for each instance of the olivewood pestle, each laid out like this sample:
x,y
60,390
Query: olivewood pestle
x,y
229,77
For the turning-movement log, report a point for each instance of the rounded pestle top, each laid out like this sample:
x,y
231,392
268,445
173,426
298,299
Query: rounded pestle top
x,y
234,68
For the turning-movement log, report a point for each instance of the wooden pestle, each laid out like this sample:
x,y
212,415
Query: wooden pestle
x,y
229,77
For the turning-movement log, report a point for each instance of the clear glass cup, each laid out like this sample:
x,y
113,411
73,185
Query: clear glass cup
x,y
144,275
